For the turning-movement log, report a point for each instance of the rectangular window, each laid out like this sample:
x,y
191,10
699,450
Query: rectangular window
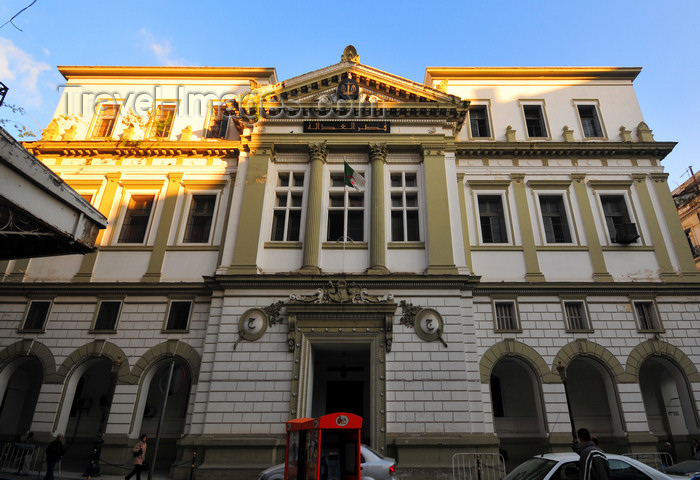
x,y
218,121
479,121
136,219
492,220
556,225
36,315
590,121
534,120
162,121
404,207
576,317
286,217
178,315
506,318
106,120
617,219
647,317
200,218
345,212
107,315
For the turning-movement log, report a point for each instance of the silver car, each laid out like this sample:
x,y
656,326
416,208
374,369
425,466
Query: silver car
x,y
373,465
564,466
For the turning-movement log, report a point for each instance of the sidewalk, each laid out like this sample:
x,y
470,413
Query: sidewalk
x,y
63,475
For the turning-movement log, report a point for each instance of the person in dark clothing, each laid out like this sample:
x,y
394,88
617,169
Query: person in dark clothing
x,y
694,448
54,452
593,464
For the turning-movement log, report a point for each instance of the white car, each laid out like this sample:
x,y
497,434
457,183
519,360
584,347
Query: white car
x,y
373,465
564,466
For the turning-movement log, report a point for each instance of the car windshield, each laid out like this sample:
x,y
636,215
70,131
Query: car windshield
x,y
532,469
373,451
682,468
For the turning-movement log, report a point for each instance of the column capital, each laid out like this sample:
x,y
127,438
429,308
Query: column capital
x,y
318,151
378,151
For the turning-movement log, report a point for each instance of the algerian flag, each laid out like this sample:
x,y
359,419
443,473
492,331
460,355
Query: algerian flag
x,y
353,178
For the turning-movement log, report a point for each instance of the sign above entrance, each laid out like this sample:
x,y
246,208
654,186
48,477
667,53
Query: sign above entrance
x,y
354,126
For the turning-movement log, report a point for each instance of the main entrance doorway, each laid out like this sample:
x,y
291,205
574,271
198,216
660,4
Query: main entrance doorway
x,y
342,374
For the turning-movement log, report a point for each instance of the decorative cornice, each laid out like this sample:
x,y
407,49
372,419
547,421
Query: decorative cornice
x,y
591,288
136,148
118,288
565,149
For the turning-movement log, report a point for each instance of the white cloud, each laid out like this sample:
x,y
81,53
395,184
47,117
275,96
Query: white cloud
x,y
20,72
162,50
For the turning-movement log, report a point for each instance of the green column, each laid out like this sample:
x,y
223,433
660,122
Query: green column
x,y
377,243
312,227
532,264
245,251
600,271
465,223
680,243
88,264
440,258
155,263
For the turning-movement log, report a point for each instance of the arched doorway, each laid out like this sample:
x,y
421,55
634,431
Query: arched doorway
x,y
518,411
594,399
668,402
89,409
19,395
150,408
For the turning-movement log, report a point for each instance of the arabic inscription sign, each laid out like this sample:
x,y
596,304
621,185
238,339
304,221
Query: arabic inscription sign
x,y
350,126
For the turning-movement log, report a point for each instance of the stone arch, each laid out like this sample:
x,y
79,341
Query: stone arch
x,y
171,348
584,348
663,349
97,348
513,348
28,347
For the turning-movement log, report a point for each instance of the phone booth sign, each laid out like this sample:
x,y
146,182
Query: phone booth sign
x,y
323,448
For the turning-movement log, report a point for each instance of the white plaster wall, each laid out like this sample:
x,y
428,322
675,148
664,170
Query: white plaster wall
x,y
496,265
565,266
405,260
188,266
122,266
632,265
273,260
53,269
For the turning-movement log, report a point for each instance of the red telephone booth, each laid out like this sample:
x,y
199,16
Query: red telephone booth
x,y
324,448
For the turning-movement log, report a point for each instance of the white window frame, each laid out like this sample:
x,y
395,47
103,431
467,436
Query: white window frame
x,y
625,194
585,315
596,105
506,215
545,121
96,119
167,315
486,104
124,206
186,215
210,118
289,190
403,170
515,315
567,211
46,318
655,316
93,326
339,170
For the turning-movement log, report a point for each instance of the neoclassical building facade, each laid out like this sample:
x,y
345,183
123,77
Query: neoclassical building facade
x,y
500,223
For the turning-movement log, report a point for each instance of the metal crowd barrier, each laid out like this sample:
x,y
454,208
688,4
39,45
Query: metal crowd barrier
x,y
478,466
657,460
21,457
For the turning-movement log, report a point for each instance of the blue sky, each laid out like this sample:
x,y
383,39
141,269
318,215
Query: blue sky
x,y
400,37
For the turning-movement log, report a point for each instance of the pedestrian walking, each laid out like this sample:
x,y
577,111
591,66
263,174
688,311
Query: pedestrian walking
x,y
592,464
54,452
139,457
694,448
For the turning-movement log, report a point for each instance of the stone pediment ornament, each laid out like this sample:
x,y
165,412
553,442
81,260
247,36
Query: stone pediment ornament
x,y
427,322
341,292
350,55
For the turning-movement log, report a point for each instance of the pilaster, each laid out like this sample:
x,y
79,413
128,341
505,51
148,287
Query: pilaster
x,y
465,222
440,255
110,191
245,252
680,243
600,271
532,264
657,239
312,230
377,250
155,263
